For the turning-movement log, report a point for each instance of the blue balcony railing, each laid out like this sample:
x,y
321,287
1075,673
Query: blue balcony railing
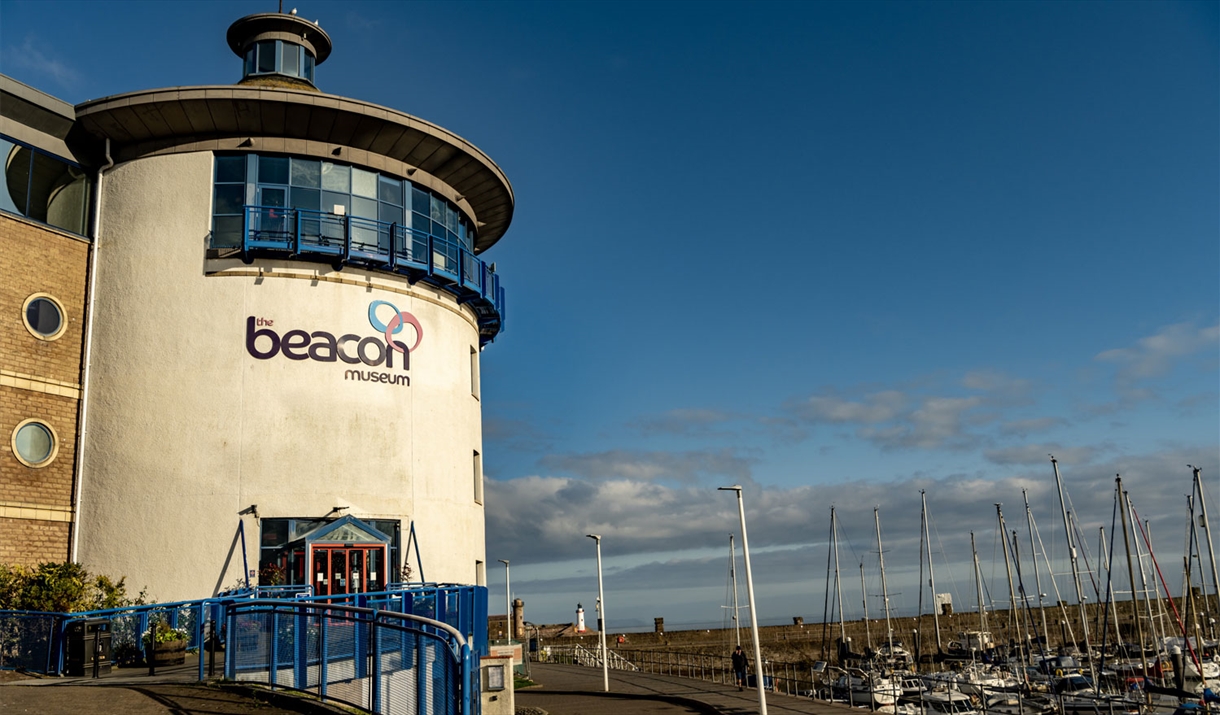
x,y
378,245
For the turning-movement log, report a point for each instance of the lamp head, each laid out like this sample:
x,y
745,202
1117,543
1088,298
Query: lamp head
x,y
734,488
503,561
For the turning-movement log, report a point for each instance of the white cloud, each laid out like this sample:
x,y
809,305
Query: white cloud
x,y
1154,355
30,56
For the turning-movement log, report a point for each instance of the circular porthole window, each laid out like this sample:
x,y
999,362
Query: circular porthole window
x,y
43,316
34,443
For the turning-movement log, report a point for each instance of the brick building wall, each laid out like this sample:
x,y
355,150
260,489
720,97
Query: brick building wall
x,y
39,379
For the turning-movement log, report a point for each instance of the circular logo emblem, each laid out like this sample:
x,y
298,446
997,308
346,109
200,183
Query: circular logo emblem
x,y
393,326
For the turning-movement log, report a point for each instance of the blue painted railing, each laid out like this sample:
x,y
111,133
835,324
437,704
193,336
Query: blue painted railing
x,y
376,660
425,615
369,243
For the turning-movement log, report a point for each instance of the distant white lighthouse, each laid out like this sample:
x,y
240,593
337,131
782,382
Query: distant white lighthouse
x,y
580,618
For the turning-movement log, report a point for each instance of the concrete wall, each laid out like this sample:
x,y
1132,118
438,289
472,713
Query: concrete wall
x,y
39,379
188,428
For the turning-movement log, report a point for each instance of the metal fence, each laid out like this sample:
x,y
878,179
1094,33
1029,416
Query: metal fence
x,y
380,661
788,678
35,641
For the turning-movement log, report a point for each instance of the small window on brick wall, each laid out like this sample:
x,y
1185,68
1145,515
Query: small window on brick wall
x,y
43,316
34,443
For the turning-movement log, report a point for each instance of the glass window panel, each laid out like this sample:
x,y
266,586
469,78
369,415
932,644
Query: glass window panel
x,y
451,219
420,201
266,56
226,231
390,190
291,59
364,183
230,169
306,198
438,229
308,73
438,210
275,532
273,170
17,168
390,214
306,172
43,316
250,61
229,198
336,177
271,196
365,208
420,222
336,203
33,442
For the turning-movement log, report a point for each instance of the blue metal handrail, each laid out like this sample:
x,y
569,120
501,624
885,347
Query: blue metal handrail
x,y
378,245
373,659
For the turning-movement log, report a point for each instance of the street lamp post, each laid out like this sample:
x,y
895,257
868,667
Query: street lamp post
x,y
760,677
601,614
508,605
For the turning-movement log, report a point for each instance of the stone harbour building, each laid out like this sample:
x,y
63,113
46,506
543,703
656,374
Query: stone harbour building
x,y
242,327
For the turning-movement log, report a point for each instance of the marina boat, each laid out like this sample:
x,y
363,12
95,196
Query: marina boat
x,y
859,688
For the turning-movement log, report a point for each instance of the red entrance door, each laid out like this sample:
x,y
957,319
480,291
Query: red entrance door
x,y
342,569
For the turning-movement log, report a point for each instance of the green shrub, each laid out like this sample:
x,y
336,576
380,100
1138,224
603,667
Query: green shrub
x,y
62,588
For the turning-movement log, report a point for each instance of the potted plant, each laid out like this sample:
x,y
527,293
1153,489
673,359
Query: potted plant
x,y
168,644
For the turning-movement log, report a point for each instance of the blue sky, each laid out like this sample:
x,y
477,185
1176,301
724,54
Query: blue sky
x,y
833,252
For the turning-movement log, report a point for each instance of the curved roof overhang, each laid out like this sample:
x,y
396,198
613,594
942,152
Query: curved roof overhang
x,y
303,123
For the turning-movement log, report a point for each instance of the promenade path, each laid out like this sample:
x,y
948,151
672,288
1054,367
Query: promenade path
x,y
131,691
577,690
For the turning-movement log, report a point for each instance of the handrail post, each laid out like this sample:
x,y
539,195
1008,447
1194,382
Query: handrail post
x,y
296,232
467,679
347,237
375,684
274,649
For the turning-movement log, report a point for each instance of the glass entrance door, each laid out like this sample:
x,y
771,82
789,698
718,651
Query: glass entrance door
x,y
341,570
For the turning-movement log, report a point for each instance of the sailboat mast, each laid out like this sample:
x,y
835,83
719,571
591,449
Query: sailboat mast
x,y
1033,554
733,577
834,530
931,572
1207,531
978,587
885,594
1071,543
1124,511
868,634
1014,613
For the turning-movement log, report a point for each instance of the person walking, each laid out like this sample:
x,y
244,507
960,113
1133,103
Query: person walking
x,y
740,665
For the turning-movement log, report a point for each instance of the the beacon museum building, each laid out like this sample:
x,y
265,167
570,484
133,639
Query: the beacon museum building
x,y
241,331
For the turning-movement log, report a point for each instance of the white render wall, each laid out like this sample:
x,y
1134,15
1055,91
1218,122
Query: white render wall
x,y
186,428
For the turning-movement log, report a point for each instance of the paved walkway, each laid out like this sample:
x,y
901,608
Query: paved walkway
x,y
577,690
131,691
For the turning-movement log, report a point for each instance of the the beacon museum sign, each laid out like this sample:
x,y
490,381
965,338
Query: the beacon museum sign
x,y
264,343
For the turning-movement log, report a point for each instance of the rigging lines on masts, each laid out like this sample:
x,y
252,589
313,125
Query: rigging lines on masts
x,y
885,593
733,581
1207,530
1124,510
927,538
838,586
1071,544
1033,555
978,587
1014,612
